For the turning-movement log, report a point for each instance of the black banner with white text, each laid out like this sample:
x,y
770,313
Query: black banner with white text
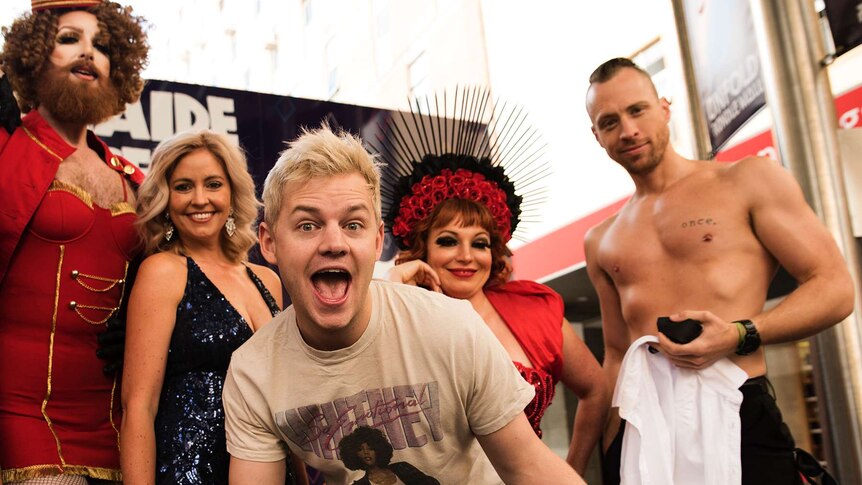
x,y
724,54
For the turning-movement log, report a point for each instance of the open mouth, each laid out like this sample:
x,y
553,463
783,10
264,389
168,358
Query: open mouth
x,y
85,74
202,216
85,71
331,285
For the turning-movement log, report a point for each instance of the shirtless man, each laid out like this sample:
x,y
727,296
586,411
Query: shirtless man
x,y
703,240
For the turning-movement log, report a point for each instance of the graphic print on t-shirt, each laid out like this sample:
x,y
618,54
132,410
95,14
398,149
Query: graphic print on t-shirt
x,y
408,415
367,450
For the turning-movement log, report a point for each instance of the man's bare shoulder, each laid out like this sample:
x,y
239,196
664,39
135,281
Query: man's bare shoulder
x,y
749,168
759,178
595,234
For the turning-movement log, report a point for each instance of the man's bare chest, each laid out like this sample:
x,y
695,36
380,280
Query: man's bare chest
x,y
88,172
664,236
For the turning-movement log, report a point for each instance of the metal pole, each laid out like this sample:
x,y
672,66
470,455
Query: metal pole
x,y
804,124
702,142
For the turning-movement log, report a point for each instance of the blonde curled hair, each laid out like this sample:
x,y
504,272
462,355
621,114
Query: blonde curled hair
x,y
154,193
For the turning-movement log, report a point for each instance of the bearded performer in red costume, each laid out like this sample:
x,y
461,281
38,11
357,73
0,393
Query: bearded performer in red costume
x,y
66,237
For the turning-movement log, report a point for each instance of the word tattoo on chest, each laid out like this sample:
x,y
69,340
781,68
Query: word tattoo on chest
x,y
703,221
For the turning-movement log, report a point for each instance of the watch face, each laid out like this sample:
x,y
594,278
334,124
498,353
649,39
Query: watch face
x,y
751,341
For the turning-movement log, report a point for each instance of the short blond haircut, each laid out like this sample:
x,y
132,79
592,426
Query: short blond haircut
x,y
154,193
316,154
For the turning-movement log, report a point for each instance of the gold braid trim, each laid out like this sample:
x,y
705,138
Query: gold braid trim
x,y
42,145
111,411
51,357
122,208
38,471
123,293
117,208
59,185
40,4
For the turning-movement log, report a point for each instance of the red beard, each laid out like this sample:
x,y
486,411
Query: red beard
x,y
75,102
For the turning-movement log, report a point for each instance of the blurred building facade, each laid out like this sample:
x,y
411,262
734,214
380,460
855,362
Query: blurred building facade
x,y
370,53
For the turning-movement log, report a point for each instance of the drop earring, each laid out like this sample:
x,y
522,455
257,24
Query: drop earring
x,y
230,225
169,228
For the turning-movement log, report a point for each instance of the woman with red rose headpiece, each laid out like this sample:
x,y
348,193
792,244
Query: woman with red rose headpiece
x,y
452,215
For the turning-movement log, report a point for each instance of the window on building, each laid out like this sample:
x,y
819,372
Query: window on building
x,y
417,75
308,10
651,59
382,36
332,67
381,18
231,40
333,82
272,51
186,60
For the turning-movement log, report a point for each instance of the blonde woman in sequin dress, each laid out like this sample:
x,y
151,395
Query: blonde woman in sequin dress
x,y
196,300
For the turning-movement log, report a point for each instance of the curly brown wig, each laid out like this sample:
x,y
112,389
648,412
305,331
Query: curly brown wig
x,y
31,39
466,213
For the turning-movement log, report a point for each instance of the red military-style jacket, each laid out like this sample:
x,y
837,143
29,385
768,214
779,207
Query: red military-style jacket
x,y
63,267
29,159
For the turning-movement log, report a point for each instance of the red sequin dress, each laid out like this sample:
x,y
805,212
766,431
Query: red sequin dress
x,y
534,314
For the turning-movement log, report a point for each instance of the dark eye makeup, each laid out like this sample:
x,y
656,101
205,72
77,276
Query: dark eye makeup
x,y
449,241
446,241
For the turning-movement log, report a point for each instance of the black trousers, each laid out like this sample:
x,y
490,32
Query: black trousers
x,y
767,446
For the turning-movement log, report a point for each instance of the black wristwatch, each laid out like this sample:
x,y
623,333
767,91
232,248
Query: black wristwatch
x,y
750,341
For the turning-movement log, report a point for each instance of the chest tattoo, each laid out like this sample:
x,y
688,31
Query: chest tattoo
x,y
703,221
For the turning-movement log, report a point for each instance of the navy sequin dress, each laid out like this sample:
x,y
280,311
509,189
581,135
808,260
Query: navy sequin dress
x,y
190,436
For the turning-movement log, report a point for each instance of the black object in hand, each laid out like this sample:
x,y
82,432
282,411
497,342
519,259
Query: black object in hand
x,y
112,345
679,332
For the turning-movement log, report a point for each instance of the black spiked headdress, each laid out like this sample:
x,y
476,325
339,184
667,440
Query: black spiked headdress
x,y
473,148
